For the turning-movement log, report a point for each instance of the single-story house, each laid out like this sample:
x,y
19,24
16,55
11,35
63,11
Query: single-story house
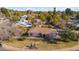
x,y
73,17
42,32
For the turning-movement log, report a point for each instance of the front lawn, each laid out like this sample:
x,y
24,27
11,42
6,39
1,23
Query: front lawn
x,y
41,45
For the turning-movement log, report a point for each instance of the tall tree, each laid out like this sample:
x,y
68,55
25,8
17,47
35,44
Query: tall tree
x,y
5,11
68,11
65,17
17,13
56,19
29,11
42,16
77,16
54,12
49,19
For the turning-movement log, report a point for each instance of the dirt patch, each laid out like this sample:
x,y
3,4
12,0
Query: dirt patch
x,y
42,45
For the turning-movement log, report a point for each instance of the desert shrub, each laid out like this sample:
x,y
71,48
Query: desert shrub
x,y
25,34
21,38
49,26
32,46
68,35
65,35
71,26
73,36
52,41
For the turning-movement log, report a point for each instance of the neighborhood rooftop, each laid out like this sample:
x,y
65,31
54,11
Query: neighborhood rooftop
x,y
41,30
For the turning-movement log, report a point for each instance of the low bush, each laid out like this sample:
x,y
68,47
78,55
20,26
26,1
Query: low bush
x,y
21,38
52,41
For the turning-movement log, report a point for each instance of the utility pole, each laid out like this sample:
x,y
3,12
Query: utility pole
x,y
54,12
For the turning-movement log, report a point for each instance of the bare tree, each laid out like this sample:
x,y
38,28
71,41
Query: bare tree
x,y
8,29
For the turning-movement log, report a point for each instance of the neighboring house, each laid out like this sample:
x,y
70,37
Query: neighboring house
x,y
24,22
42,32
37,22
56,26
73,17
77,26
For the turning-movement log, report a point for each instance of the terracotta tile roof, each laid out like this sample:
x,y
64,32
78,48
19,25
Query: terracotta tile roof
x,y
41,30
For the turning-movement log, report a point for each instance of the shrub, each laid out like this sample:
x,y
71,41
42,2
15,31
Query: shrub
x,y
68,35
25,34
65,35
21,38
49,26
32,46
53,41
73,36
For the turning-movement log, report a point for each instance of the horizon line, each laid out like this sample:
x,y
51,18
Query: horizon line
x,y
42,8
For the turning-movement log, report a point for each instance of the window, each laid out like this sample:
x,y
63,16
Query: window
x,y
22,20
30,34
44,35
40,35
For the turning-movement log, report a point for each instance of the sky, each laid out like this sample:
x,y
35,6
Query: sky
x,y
42,8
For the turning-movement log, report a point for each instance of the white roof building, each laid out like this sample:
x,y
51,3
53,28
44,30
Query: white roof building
x,y
24,22
24,17
77,25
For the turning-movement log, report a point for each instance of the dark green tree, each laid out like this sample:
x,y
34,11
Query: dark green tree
x,y
42,16
54,12
68,11
65,16
5,11
56,19
68,35
49,20
77,16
